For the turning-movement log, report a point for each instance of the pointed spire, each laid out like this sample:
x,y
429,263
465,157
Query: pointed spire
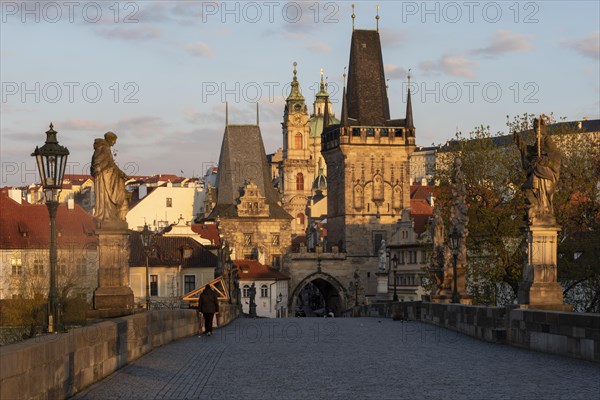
x,y
295,94
353,16
377,17
326,115
409,116
257,114
344,117
226,114
322,85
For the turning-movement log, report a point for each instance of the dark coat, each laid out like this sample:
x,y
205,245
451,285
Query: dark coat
x,y
208,303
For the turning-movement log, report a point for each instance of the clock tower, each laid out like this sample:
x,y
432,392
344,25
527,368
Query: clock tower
x,y
297,168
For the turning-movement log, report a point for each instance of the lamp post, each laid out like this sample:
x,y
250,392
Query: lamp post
x,y
51,161
454,238
147,242
279,305
356,283
230,276
395,269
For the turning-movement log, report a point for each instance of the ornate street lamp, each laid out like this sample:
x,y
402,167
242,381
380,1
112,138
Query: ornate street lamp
x,y
454,239
147,242
395,269
356,283
51,161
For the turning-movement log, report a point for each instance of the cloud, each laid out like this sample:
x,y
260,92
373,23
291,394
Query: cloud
x,y
81,124
133,32
394,72
200,49
504,41
318,47
454,65
587,46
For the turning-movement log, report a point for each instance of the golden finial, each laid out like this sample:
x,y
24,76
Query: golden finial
x,y
295,64
322,72
353,16
377,17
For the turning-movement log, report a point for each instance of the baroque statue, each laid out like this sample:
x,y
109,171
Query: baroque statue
x,y
541,163
109,183
382,257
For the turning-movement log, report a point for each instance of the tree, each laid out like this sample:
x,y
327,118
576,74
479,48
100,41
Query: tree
x,y
493,177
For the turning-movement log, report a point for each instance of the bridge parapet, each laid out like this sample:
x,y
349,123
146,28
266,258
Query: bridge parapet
x,y
569,334
58,366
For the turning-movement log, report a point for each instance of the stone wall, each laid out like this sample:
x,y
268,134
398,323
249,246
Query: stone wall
x,y
565,333
58,366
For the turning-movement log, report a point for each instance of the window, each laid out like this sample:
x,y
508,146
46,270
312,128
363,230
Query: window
x,y
189,283
245,290
299,181
275,240
61,267
275,260
298,141
153,285
17,268
82,266
169,202
247,239
300,219
187,252
38,267
264,291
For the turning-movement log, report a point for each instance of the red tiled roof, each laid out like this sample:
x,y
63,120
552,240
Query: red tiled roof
x,y
208,232
26,226
420,212
252,270
169,250
420,191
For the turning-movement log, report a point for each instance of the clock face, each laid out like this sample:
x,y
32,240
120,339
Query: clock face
x,y
298,119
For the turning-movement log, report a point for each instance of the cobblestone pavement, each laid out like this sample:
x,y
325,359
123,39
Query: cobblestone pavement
x,y
345,358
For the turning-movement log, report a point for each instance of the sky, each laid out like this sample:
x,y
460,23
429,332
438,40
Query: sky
x,y
158,73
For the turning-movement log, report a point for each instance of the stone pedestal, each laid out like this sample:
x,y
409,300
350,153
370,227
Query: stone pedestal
x,y
382,285
539,288
113,292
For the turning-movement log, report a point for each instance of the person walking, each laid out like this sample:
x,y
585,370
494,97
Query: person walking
x,y
208,305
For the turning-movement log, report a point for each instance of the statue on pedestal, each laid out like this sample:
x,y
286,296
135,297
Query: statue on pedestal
x,y
252,296
541,163
109,183
382,257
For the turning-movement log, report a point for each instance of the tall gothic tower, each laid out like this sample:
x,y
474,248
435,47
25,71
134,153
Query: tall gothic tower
x,y
367,155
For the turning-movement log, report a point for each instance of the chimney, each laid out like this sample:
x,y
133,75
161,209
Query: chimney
x,y
15,194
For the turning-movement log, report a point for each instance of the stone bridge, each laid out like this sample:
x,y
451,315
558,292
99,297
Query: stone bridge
x,y
345,358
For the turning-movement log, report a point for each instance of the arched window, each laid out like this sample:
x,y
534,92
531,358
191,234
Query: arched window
x,y
300,219
264,291
299,181
245,290
298,141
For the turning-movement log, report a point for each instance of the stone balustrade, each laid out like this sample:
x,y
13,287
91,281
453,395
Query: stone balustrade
x,y
569,334
58,366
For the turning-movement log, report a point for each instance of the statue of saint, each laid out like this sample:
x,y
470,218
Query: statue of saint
x,y
541,162
382,257
109,182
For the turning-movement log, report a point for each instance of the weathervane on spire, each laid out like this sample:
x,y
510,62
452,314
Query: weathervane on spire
x,y
377,17
295,64
353,16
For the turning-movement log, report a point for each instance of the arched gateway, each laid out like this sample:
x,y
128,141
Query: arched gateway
x,y
317,294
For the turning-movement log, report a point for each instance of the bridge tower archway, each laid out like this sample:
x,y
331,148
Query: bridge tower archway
x,y
318,292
